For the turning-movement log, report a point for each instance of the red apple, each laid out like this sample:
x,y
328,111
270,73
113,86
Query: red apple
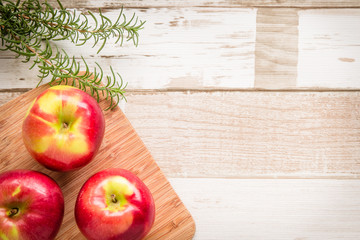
x,y
63,128
114,204
31,206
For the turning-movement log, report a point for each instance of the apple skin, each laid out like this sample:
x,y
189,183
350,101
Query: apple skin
x,y
129,217
31,206
63,128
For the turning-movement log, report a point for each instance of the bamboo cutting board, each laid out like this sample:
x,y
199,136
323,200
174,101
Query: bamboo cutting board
x,y
121,148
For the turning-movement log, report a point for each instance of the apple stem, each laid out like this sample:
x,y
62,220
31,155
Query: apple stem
x,y
113,198
65,125
13,211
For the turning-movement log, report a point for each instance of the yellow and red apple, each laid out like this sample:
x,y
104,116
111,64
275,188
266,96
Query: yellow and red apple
x,y
114,204
63,128
31,206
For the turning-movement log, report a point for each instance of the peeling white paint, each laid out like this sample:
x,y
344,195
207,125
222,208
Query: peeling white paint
x,y
329,48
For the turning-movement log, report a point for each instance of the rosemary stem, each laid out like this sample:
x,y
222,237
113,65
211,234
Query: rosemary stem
x,y
27,28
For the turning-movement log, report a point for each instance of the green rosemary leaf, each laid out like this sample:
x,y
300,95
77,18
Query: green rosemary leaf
x,y
97,94
108,81
60,5
110,105
102,46
119,17
23,53
101,72
9,40
87,67
33,65
128,23
94,18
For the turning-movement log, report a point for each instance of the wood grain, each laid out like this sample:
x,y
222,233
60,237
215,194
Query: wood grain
x,y
249,134
121,148
279,163
208,3
179,48
276,49
226,48
271,209
8,96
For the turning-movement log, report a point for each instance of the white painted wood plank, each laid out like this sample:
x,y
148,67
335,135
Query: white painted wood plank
x,y
249,134
206,48
179,48
329,48
272,209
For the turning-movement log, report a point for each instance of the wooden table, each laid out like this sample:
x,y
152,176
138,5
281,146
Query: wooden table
x,y
250,108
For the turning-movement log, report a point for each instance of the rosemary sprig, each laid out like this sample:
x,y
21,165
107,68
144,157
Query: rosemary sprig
x,y
27,28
